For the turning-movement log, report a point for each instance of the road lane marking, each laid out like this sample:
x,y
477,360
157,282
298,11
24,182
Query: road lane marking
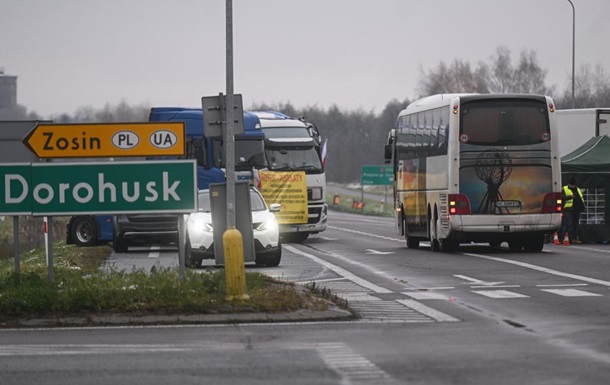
x,y
428,311
499,294
542,269
426,295
365,233
478,281
155,251
571,293
563,285
341,271
329,239
352,367
376,252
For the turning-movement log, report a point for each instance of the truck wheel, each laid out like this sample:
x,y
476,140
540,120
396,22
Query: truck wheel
x,y
295,237
83,231
118,244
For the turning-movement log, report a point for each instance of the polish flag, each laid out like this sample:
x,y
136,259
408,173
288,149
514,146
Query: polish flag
x,y
323,156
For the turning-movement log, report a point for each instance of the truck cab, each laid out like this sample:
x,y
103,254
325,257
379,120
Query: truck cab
x,y
294,145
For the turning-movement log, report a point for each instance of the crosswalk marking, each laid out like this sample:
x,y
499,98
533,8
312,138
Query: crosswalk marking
x,y
572,293
426,295
499,294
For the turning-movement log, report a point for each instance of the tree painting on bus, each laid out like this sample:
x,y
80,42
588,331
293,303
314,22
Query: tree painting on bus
x,y
497,181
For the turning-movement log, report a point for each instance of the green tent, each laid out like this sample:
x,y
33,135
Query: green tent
x,y
590,165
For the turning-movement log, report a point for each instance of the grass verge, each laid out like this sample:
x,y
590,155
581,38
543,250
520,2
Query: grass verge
x,y
82,287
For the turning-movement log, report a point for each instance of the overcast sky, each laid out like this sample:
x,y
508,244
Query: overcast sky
x,y
350,53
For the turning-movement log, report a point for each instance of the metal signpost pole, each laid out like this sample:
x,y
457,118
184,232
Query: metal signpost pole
x,y
16,246
233,245
229,138
48,237
573,49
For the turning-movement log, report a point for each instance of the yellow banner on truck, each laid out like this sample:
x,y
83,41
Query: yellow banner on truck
x,y
290,190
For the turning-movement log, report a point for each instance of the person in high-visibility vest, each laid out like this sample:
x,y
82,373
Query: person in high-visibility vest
x,y
573,205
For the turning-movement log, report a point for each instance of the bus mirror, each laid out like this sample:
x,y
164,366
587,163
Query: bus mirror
x,y
387,153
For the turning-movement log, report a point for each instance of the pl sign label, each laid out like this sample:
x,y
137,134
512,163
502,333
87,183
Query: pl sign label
x,y
98,188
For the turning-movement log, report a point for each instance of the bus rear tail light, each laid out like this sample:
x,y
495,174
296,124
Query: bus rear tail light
x,y
552,203
459,204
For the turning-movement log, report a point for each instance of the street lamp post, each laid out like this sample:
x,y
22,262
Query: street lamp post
x,y
573,49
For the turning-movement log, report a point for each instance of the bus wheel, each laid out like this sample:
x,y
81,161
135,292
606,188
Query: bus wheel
x,y
535,244
412,242
447,245
434,244
515,246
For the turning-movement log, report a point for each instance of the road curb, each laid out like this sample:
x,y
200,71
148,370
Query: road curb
x,y
333,313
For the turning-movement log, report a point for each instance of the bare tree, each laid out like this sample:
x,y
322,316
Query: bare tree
x,y
499,76
591,90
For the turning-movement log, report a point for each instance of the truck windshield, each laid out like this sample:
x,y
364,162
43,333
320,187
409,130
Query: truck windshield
x,y
286,132
249,154
510,122
294,158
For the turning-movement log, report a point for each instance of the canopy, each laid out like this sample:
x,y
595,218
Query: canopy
x,y
591,157
590,165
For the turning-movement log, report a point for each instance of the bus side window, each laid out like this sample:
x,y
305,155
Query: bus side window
x,y
443,131
436,124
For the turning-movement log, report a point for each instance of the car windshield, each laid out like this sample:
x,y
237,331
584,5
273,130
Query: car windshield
x,y
257,203
204,202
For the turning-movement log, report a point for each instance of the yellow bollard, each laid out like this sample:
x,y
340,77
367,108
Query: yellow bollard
x,y
233,246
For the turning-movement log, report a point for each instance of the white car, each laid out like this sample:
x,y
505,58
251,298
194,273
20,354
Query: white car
x,y
200,235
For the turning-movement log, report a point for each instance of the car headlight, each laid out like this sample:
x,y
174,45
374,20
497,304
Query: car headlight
x,y
201,225
269,224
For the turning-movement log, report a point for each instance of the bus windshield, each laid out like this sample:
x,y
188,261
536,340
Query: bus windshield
x,y
510,122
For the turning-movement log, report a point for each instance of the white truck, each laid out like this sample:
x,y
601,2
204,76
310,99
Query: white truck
x,y
577,126
294,145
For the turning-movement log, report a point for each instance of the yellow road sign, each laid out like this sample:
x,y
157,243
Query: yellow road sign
x,y
95,140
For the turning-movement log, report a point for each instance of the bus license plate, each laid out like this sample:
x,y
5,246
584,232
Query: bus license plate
x,y
508,203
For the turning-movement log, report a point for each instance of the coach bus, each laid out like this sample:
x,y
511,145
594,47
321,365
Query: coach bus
x,y
480,168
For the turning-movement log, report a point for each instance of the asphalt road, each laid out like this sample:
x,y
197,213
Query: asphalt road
x,y
477,316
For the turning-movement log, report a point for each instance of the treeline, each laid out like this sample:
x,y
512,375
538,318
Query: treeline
x,y
356,138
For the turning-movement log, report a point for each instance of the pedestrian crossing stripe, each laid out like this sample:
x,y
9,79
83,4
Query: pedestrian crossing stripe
x,y
572,293
500,294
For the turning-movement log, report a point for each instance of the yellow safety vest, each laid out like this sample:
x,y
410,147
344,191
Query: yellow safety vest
x,y
570,196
